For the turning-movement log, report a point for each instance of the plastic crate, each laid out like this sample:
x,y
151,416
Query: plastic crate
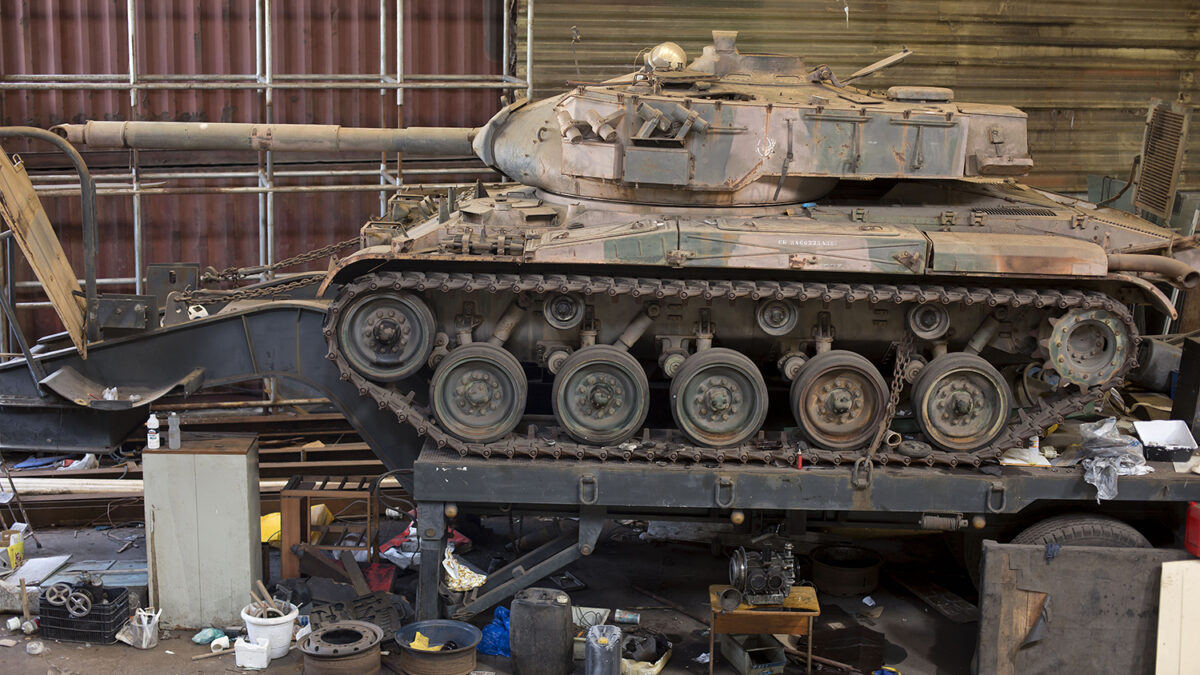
x,y
110,611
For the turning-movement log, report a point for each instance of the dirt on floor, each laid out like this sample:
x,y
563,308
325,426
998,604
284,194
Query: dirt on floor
x,y
918,640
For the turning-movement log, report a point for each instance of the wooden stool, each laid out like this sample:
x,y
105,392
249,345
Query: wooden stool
x,y
793,617
295,526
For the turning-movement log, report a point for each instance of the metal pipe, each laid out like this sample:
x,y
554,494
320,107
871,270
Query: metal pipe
x,y
983,335
506,36
529,49
1176,272
507,324
278,189
435,141
206,84
242,404
88,192
634,331
146,80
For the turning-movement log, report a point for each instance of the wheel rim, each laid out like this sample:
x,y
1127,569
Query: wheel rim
x,y
776,317
601,395
386,335
478,393
838,400
718,398
961,402
1088,347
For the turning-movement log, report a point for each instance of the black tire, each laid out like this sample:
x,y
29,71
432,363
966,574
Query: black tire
x,y
1083,530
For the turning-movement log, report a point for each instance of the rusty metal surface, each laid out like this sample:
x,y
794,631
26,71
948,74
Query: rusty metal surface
x,y
1083,71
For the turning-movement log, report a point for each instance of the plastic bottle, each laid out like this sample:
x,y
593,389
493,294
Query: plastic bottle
x,y
152,439
173,430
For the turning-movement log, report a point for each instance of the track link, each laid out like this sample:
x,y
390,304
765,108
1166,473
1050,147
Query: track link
x,y
767,447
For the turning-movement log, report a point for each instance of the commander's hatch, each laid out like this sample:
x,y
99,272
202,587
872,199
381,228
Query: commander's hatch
x,y
23,212
1162,157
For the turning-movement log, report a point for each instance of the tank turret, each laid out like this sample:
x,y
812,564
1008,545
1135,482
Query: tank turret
x,y
738,129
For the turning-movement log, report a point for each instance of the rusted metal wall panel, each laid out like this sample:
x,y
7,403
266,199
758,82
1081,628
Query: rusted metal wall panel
x,y
184,37
1084,70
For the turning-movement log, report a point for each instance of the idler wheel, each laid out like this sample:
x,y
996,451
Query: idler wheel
x,y
601,395
386,335
718,398
839,400
478,392
1088,346
961,402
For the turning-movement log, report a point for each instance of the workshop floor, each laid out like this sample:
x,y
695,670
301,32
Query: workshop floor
x,y
918,640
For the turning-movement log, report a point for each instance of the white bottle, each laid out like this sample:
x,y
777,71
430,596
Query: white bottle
x,y
152,438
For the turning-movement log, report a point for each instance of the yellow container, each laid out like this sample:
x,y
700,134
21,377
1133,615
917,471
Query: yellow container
x,y
271,525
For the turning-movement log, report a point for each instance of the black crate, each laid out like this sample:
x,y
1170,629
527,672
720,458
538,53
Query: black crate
x,y
110,611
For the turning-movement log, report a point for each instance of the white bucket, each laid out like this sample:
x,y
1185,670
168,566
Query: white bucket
x,y
277,630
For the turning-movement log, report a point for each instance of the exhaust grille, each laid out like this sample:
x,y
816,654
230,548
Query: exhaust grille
x,y
1015,211
1162,157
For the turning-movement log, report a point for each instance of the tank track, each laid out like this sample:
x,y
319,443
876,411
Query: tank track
x,y
778,448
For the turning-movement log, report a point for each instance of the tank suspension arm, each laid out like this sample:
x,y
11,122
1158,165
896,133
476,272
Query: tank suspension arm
x,y
427,141
636,328
983,335
507,324
1178,273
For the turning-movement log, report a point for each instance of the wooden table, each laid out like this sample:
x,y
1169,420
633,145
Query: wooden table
x,y
793,617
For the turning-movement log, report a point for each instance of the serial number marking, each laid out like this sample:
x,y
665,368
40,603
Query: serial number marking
x,y
806,242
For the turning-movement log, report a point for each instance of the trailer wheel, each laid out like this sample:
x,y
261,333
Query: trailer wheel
x,y
1083,530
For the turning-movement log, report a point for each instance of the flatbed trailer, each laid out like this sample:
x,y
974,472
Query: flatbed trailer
x,y
967,501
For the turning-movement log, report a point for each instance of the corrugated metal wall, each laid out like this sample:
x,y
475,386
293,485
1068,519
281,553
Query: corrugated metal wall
x,y
1084,70
185,37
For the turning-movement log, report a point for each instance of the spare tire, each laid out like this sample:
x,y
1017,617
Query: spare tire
x,y
1080,529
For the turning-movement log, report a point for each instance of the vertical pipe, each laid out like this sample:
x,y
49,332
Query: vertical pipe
x,y
399,78
136,198
529,49
269,60
382,102
504,70
262,180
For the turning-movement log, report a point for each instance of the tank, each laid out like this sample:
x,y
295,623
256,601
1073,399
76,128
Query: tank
x,y
740,258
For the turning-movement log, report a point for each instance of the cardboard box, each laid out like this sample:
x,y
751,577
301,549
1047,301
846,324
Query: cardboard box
x,y
12,550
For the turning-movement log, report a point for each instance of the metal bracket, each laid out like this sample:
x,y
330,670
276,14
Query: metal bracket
x,y
860,475
533,566
723,492
996,489
589,490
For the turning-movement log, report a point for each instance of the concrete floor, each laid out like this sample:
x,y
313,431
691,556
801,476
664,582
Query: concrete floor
x,y
918,639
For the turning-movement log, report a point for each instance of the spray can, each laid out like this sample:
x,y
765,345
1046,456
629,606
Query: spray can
x,y
152,438
173,430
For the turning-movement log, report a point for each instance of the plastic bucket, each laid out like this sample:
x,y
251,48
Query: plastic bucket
x,y
277,630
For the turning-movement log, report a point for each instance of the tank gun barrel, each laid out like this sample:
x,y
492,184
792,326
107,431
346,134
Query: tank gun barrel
x,y
422,141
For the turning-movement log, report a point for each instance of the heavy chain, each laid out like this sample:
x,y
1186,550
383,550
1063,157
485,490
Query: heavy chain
x,y
238,273
863,464
209,297
191,297
774,448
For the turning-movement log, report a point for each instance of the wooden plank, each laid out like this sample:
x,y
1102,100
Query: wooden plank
x,y
948,604
1178,618
21,209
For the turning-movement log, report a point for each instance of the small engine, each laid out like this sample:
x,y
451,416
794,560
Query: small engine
x,y
763,578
